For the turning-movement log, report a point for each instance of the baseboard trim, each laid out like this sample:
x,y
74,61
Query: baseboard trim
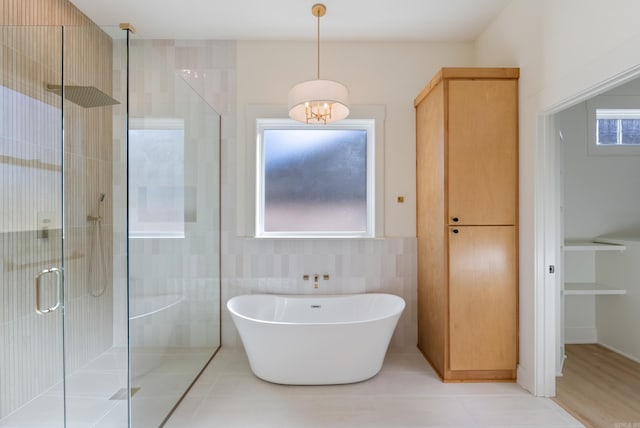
x,y
617,351
578,335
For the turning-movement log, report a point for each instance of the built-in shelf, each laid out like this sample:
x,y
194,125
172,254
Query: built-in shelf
x,y
592,246
589,289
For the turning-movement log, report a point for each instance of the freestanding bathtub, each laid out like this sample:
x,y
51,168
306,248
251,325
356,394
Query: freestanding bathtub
x,y
315,340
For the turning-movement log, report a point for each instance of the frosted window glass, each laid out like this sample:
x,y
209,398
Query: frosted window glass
x,y
315,180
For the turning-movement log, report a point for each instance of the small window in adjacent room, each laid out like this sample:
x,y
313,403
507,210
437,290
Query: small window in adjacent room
x,y
614,125
315,181
618,127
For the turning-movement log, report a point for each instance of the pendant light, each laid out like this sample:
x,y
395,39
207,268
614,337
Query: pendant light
x,y
318,101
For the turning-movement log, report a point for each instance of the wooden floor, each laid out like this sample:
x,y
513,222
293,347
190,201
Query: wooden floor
x,y
600,387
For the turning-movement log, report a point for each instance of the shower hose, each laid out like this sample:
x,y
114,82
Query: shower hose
x,y
96,276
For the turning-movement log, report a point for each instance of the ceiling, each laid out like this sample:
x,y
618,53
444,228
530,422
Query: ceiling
x,y
346,20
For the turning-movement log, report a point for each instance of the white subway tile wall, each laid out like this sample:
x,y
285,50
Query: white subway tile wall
x,y
354,266
178,269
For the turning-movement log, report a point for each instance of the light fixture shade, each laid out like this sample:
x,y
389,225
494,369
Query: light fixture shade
x,y
318,92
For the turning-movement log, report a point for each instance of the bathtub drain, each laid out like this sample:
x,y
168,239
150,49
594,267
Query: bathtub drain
x,y
316,306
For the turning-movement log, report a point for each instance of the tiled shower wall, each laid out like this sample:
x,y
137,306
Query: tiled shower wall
x,y
88,175
167,268
32,58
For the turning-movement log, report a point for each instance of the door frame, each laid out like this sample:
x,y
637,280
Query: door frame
x,y
548,232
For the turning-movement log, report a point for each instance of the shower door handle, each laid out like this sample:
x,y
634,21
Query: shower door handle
x,y
58,273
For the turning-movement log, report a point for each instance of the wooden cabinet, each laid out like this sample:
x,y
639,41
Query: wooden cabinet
x,y
482,311
467,190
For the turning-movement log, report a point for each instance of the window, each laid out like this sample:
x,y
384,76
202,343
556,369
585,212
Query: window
x,y
618,127
614,125
315,181
156,178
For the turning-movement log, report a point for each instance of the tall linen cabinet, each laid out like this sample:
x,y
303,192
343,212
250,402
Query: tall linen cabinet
x,y
467,196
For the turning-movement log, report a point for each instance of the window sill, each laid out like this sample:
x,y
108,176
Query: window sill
x,y
314,237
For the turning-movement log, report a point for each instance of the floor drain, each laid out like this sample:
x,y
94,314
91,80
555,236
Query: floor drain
x,y
121,394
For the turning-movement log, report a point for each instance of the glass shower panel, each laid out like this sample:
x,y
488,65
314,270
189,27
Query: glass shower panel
x,y
174,242
31,220
95,366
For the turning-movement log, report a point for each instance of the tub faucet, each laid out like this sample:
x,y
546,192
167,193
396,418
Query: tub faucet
x,y
315,280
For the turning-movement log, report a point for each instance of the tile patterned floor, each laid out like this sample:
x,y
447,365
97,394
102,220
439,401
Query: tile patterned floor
x,y
406,393
162,376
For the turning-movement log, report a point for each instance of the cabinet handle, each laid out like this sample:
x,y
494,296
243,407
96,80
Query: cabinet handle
x,y
455,230
455,219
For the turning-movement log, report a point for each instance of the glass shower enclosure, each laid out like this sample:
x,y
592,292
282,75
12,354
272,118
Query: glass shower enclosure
x,y
109,229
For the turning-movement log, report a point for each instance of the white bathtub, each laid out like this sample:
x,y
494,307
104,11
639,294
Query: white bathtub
x,y
316,340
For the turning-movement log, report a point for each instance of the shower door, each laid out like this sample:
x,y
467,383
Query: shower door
x,y
58,366
95,369
31,228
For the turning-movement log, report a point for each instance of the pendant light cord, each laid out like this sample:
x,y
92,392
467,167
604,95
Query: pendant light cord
x,y
318,46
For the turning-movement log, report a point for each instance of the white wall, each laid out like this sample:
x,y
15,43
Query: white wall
x,y
564,49
600,190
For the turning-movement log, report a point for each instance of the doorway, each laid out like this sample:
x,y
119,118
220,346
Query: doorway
x,y
589,225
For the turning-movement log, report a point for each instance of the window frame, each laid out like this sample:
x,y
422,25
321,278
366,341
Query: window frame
x,y
245,156
618,115
609,102
368,125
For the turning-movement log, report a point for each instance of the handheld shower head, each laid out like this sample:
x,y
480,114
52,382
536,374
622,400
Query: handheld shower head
x,y
99,216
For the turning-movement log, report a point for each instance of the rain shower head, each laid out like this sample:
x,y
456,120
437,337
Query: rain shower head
x,y
84,96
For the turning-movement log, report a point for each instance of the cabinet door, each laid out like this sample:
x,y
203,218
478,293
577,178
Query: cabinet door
x,y
482,147
482,298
